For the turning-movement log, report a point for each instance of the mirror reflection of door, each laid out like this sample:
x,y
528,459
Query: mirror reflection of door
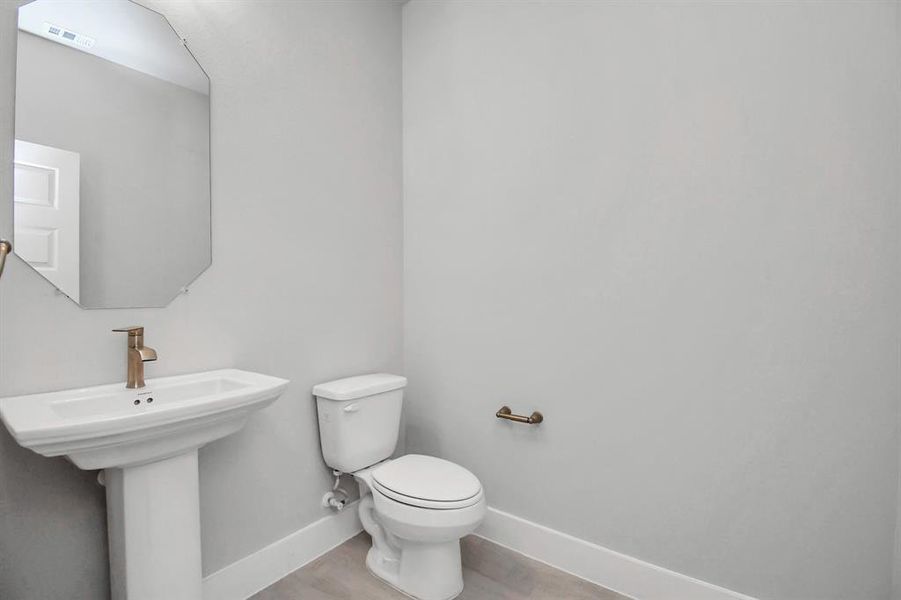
x,y
47,213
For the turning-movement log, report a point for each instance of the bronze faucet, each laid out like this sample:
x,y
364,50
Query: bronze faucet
x,y
138,354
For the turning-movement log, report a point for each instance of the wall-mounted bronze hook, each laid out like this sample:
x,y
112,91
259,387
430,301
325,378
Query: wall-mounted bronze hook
x,y
6,249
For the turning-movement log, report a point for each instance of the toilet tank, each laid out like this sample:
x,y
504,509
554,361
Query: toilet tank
x,y
359,419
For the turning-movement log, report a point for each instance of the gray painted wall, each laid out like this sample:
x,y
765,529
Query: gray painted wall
x,y
305,282
145,177
674,229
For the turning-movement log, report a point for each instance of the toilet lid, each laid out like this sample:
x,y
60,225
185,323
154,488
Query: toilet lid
x,y
427,481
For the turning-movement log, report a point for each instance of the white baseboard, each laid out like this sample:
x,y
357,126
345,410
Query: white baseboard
x,y
607,568
244,578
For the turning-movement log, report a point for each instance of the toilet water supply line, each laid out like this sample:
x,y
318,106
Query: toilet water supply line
x,y
337,498
383,540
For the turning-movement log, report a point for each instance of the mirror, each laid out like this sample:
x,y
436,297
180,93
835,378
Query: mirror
x,y
112,153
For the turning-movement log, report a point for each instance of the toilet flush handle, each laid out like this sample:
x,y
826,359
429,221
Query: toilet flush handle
x,y
352,408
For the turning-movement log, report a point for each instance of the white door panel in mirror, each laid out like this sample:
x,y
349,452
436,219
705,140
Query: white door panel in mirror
x,y
46,206
34,184
111,83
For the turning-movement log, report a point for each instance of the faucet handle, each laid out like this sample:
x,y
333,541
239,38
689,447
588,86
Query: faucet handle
x,y
131,331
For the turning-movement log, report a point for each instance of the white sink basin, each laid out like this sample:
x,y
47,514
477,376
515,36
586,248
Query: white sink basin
x,y
147,442
110,426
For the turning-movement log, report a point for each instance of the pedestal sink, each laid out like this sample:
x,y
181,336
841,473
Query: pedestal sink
x,y
146,441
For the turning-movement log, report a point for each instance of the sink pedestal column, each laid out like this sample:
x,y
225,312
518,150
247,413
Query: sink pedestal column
x,y
153,517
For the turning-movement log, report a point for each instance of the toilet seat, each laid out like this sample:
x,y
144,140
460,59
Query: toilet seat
x,y
427,482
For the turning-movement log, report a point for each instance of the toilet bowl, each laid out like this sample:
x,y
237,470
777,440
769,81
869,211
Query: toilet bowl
x,y
416,529
415,507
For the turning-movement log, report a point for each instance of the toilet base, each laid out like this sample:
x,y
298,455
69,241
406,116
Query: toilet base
x,y
416,550
424,571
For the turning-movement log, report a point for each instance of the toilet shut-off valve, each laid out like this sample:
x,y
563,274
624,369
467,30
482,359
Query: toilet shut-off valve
x,y
337,498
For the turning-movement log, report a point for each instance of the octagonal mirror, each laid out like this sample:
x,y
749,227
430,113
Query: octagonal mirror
x,y
112,153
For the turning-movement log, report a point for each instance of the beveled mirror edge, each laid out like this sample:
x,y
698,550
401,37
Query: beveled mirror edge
x,y
7,226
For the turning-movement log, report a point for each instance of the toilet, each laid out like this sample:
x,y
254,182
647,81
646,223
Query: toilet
x,y
416,507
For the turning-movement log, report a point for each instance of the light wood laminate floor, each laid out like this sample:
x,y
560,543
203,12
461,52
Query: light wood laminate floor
x,y
490,572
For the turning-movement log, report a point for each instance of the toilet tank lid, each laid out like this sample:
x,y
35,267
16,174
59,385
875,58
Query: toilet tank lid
x,y
351,388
